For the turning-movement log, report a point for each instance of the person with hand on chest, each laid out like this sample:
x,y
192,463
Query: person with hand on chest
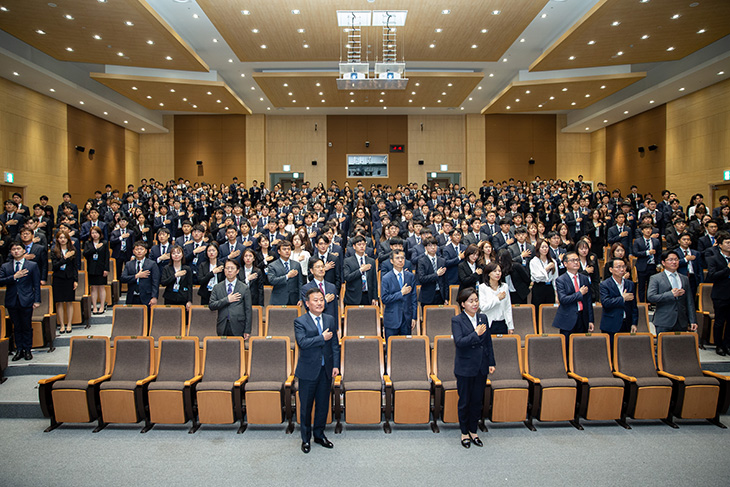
x,y
177,279
232,299
620,313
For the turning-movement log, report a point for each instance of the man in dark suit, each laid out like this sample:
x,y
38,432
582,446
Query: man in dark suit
x,y
452,253
399,298
285,275
121,243
620,313
707,241
574,220
67,202
35,252
670,292
718,263
689,262
319,359
332,263
232,248
160,253
331,293
476,235
504,238
12,219
575,313
645,249
142,277
521,251
358,274
93,221
620,233
232,299
431,275
340,216
195,250
556,251
22,279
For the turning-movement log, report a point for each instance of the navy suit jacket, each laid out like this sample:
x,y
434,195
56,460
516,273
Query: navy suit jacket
x,y
149,287
614,236
225,250
399,309
498,241
451,259
352,277
86,230
473,354
640,252
330,308
26,290
428,279
614,306
696,264
567,314
313,346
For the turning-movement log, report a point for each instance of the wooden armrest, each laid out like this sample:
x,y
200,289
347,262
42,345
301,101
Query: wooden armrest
x,y
532,379
717,376
51,380
192,381
240,381
99,379
625,377
338,380
388,382
147,380
436,380
671,376
577,377
289,381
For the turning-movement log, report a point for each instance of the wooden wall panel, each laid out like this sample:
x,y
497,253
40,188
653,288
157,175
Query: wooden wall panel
x,y
598,155
33,141
436,140
348,135
698,141
573,153
131,158
625,165
255,149
157,153
293,140
511,140
476,152
87,173
217,140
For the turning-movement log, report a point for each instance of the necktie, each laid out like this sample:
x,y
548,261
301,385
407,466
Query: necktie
x,y
648,247
689,264
286,266
164,249
712,240
318,320
321,288
577,289
400,279
230,287
364,277
139,268
27,249
17,266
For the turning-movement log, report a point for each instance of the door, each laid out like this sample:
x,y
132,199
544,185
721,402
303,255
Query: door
x,y
7,194
717,191
285,179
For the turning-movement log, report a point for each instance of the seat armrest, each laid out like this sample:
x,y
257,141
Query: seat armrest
x,y
577,377
532,379
436,381
192,381
289,381
147,380
51,380
240,381
338,380
388,382
717,376
671,376
93,382
625,377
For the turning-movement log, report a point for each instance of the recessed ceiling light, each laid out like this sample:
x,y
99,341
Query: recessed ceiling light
x,y
151,42
670,48
263,46
70,49
446,11
517,100
172,91
209,93
215,40
41,32
15,73
352,101
261,99
195,16
496,12
323,101
52,90
527,92
418,84
484,31
438,31
504,60
129,23
539,106
626,112
461,108
126,121
290,93
410,101
217,101
245,12
620,53
572,104
590,43
293,101
543,16
81,103
552,97
644,1
120,54
508,107
142,129
301,31
134,88
69,16
571,58
681,89
385,108
470,98
587,95
423,108
603,87
491,75
97,37
676,16
195,106
185,99
450,84
169,58
701,31
651,101
473,46
588,128
162,104
382,92
230,60
321,93
4,9
605,121
443,93
295,12
307,108
255,31
106,113
381,101
720,73
645,36
439,101
347,108
432,46
149,97
285,85
253,88
615,23
269,108
565,89
243,75
479,87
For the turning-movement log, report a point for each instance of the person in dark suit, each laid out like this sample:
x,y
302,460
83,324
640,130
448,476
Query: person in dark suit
x,y
645,249
194,250
473,362
333,264
470,271
431,275
504,238
232,247
670,292
96,252
620,313
452,253
35,252
177,279
718,273
67,202
319,360
358,274
121,242
620,233
93,221
521,251
317,270
707,241
689,262
557,252
575,313
22,280
12,219
253,276
65,279
399,298
519,277
160,253
232,299
142,277
210,273
285,275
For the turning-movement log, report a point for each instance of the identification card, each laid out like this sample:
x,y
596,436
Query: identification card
x,y
176,288
96,256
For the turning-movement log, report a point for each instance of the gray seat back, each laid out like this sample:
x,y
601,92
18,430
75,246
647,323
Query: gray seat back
x,y
45,307
445,354
203,323
507,355
635,355
166,321
363,321
437,321
223,362
547,315
361,360
643,325
408,359
132,359
678,355
546,357
257,314
280,322
128,321
268,360
177,360
523,316
589,356
88,359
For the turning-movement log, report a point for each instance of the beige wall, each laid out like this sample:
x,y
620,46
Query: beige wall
x,y
255,149
157,153
294,141
573,153
442,141
33,141
598,156
698,141
476,152
131,158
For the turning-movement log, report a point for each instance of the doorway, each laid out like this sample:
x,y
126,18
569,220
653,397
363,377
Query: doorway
x,y
285,179
7,193
717,190
443,179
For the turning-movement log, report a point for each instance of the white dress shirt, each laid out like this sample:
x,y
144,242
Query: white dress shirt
x,y
493,307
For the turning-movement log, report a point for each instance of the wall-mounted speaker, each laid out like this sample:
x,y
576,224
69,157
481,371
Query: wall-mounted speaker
x,y
314,163
420,163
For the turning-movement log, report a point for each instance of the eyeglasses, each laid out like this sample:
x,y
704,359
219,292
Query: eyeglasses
x,y
572,260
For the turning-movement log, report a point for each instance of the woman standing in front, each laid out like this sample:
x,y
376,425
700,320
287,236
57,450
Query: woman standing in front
x,y
473,362
96,251
177,279
494,301
65,279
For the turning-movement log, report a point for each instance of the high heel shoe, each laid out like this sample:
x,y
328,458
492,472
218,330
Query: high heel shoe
x,y
476,441
466,442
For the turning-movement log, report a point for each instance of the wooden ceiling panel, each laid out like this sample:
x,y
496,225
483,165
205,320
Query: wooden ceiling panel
x,y
297,90
631,31
566,93
176,94
278,29
147,43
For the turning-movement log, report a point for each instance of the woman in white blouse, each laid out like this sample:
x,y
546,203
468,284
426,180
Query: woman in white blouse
x,y
494,301
300,254
543,272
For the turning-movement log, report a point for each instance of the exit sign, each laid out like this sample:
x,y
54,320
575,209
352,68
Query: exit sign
x,y
725,176
9,177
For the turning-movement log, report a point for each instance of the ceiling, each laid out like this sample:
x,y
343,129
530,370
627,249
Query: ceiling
x,y
490,51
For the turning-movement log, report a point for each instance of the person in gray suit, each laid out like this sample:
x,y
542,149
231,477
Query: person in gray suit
x,y
285,275
670,291
232,299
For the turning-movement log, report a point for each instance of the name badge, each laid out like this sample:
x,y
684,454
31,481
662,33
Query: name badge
x,y
211,284
63,267
176,288
96,256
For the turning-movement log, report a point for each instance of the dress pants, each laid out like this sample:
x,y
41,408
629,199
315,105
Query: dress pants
x,y
471,397
310,391
720,329
498,328
22,328
403,330
581,326
643,282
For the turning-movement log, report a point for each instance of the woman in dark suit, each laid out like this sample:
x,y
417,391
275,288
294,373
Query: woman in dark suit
x,y
589,266
473,362
210,273
517,275
65,279
177,279
470,272
253,276
96,252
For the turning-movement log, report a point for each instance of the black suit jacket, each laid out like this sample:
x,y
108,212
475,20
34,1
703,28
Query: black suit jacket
x,y
473,354
718,273
313,346
352,277
26,290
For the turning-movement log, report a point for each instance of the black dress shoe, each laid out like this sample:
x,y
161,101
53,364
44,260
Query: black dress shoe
x,y
28,355
18,355
718,350
466,443
477,441
306,447
324,442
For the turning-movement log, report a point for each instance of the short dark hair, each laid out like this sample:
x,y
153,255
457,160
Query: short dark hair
x,y
667,253
722,236
313,291
465,294
285,244
234,262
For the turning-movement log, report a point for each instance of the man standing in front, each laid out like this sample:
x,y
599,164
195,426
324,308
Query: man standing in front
x,y
620,313
285,277
232,299
319,360
575,313
23,294
671,293
142,277
399,298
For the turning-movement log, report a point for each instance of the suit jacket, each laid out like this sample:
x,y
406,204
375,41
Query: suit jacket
x,y
399,309
13,229
614,306
641,252
256,286
514,250
156,253
192,259
26,290
333,275
473,354
313,347
567,314
718,274
696,265
667,306
86,230
704,247
285,291
40,258
96,266
147,288
451,261
429,279
205,276
467,278
184,294
498,241
227,249
614,236
331,308
470,238
240,312
575,228
352,277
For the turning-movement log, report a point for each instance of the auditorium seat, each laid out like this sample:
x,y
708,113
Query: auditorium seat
x,y
202,323
73,397
453,294
547,315
167,320
267,295
361,380
280,323
507,391
268,381
129,320
112,284
170,394
44,321
408,383
597,314
196,296
698,394
122,396
219,395
523,316
4,344
362,321
600,394
82,304
445,395
552,392
647,395
437,321
707,309
257,322
643,324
